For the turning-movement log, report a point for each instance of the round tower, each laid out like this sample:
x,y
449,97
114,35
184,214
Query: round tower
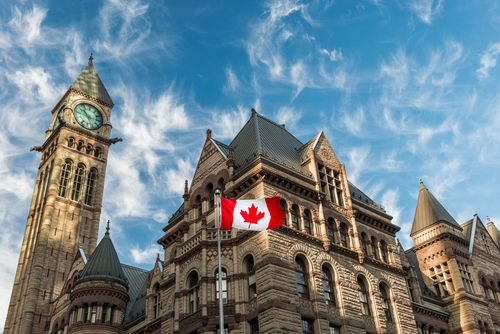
x,y
100,294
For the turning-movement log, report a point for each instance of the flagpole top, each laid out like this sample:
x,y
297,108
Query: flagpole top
x,y
217,192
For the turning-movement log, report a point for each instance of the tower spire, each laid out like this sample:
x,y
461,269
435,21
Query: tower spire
x,y
90,59
107,228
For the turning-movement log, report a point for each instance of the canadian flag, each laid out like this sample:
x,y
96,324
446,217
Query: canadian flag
x,y
253,214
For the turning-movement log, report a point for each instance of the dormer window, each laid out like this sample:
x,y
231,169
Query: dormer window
x,y
331,184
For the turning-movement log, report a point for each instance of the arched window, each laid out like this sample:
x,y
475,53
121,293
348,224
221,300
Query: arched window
x,y
210,194
284,208
248,264
88,150
198,206
224,286
328,286
363,297
362,240
63,183
329,229
307,221
79,147
71,142
220,185
77,183
193,292
343,235
97,152
295,219
90,187
301,277
373,247
386,302
383,251
156,300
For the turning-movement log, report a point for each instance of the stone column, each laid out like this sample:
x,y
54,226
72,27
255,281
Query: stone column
x,y
89,314
79,317
65,329
98,316
455,273
301,221
108,313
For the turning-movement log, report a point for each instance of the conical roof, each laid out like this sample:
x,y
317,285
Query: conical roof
x,y
429,211
494,232
104,263
89,82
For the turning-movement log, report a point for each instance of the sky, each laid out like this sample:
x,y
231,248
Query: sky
x,y
404,90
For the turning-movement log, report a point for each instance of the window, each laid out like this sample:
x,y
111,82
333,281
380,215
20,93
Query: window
x,y
70,142
307,222
224,285
77,183
363,297
284,208
90,187
334,330
193,292
363,243
386,306
156,301
209,192
295,220
307,327
328,286
329,229
410,290
441,277
248,264
112,311
97,152
466,277
301,276
79,147
383,251
88,149
254,326
85,313
63,184
331,184
343,235
373,247
486,243
104,309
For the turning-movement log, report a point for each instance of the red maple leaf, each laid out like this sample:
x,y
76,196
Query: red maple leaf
x,y
252,217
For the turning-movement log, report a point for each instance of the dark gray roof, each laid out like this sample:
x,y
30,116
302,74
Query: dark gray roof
x,y
89,82
261,137
104,263
223,147
138,282
429,211
467,227
412,257
177,214
360,196
304,150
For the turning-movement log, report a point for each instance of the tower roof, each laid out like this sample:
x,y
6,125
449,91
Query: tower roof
x,y
90,83
104,263
429,211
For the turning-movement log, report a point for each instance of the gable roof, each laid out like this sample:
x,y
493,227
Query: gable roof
x,y
429,211
138,281
412,257
360,196
90,83
261,137
104,263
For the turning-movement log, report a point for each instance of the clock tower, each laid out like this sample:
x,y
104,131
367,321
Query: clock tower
x,y
66,206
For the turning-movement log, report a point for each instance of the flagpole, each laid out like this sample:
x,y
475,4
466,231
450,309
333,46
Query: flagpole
x,y
218,222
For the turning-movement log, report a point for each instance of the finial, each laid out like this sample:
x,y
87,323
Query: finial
x,y
107,228
253,111
90,59
186,187
230,156
421,182
488,218
209,133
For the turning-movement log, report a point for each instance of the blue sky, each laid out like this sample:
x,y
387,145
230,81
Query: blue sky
x,y
403,89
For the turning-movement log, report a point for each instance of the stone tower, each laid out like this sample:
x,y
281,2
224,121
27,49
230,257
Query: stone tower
x,y
66,206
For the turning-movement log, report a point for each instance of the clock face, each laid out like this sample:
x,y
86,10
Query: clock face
x,y
88,116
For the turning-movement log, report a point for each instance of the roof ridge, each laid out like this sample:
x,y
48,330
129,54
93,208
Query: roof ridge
x,y
132,267
278,125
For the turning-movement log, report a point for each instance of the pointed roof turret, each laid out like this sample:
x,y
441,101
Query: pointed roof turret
x,y
90,83
429,211
104,263
494,232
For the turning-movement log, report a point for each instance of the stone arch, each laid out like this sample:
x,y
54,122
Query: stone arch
x,y
297,248
192,266
212,178
370,278
248,248
327,258
214,264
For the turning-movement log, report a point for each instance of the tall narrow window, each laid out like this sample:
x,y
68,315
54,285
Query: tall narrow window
x,y
63,184
212,201
328,286
343,235
224,286
284,208
85,313
70,142
334,330
307,222
156,301
307,326
88,149
254,326
363,243
383,251
193,292
363,297
79,147
329,230
373,247
301,277
295,220
248,264
97,152
103,315
90,187
77,183
386,306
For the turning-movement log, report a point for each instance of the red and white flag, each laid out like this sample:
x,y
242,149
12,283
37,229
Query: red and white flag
x,y
253,214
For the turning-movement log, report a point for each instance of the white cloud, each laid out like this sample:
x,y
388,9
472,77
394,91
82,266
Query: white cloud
x,y
28,24
288,116
227,124
353,121
175,177
232,81
146,255
299,77
357,162
488,60
426,10
334,55
390,163
390,202
76,57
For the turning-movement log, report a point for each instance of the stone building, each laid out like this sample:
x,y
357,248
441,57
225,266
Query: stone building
x,y
335,266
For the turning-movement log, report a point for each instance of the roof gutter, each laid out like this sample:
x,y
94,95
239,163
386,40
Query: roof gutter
x,y
472,234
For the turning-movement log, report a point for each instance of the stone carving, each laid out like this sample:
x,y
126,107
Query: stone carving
x,y
306,304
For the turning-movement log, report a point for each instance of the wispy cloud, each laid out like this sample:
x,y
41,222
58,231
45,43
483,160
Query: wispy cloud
x,y
145,255
227,123
426,10
488,60
353,121
288,116
232,81
334,55
357,162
